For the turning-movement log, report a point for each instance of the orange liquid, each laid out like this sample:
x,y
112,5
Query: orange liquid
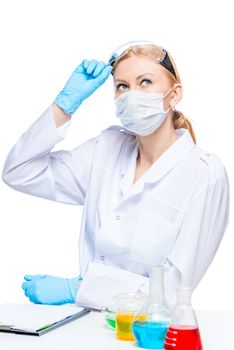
x,y
124,322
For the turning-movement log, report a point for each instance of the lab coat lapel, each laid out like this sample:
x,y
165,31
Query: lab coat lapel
x,y
128,168
167,161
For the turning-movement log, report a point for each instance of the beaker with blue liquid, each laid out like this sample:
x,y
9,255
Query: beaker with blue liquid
x,y
151,331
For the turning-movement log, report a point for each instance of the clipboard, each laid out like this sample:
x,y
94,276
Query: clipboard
x,y
60,315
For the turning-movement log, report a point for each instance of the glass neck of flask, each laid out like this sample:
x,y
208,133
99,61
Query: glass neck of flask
x,y
156,293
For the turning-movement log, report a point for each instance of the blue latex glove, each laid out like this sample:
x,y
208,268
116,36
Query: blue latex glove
x,y
85,79
46,289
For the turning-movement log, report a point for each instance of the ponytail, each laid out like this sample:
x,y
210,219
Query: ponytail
x,y
180,121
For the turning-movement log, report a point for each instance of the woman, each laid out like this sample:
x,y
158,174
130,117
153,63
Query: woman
x,y
151,196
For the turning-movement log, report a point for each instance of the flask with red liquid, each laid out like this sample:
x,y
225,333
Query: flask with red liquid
x,y
183,332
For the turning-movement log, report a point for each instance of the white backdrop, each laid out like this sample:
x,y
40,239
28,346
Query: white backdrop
x,y
41,43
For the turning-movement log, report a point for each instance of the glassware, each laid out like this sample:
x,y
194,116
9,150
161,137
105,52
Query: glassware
x,y
127,305
183,332
109,315
150,332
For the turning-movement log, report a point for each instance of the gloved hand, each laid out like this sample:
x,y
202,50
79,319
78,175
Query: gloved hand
x,y
85,79
46,289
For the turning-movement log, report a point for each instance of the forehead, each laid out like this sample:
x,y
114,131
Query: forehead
x,y
134,66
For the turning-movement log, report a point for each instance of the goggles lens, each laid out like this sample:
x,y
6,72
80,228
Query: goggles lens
x,y
163,57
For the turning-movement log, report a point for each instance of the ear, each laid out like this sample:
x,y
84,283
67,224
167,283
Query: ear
x,y
177,95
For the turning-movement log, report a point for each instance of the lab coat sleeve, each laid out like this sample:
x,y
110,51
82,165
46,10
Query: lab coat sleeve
x,y
101,282
31,167
62,130
200,235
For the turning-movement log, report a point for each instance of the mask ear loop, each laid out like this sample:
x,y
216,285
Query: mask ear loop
x,y
170,107
168,92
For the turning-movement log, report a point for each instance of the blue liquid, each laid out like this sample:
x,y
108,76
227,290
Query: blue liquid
x,y
150,335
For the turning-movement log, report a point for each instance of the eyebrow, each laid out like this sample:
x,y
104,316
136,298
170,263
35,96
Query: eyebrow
x,y
139,77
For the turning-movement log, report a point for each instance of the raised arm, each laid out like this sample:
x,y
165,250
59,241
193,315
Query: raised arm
x,y
31,167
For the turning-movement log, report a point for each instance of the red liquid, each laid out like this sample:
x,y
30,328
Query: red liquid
x,y
183,338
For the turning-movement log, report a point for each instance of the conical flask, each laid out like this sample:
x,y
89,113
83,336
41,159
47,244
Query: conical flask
x,y
183,333
152,321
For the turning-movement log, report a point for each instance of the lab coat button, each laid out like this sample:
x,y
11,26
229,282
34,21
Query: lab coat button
x,y
102,257
117,217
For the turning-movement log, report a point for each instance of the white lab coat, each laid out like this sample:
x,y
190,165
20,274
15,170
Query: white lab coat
x,y
175,215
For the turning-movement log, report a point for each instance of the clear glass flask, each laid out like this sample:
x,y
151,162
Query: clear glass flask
x,y
150,332
183,332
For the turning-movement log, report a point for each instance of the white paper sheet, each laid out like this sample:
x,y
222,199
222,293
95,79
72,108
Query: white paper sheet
x,y
34,316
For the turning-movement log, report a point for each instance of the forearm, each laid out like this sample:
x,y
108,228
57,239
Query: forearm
x,y
60,117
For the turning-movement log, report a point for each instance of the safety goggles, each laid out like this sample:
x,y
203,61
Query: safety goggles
x,y
163,57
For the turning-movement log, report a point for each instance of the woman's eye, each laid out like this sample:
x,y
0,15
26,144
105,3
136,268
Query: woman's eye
x,y
146,82
121,87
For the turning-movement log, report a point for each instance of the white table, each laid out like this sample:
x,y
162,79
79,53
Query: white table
x,y
91,332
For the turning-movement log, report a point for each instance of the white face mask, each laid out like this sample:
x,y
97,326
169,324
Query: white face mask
x,y
141,112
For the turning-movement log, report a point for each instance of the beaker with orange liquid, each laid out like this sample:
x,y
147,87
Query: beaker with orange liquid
x,y
127,306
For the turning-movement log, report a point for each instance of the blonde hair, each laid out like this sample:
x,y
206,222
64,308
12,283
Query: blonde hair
x,y
156,54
